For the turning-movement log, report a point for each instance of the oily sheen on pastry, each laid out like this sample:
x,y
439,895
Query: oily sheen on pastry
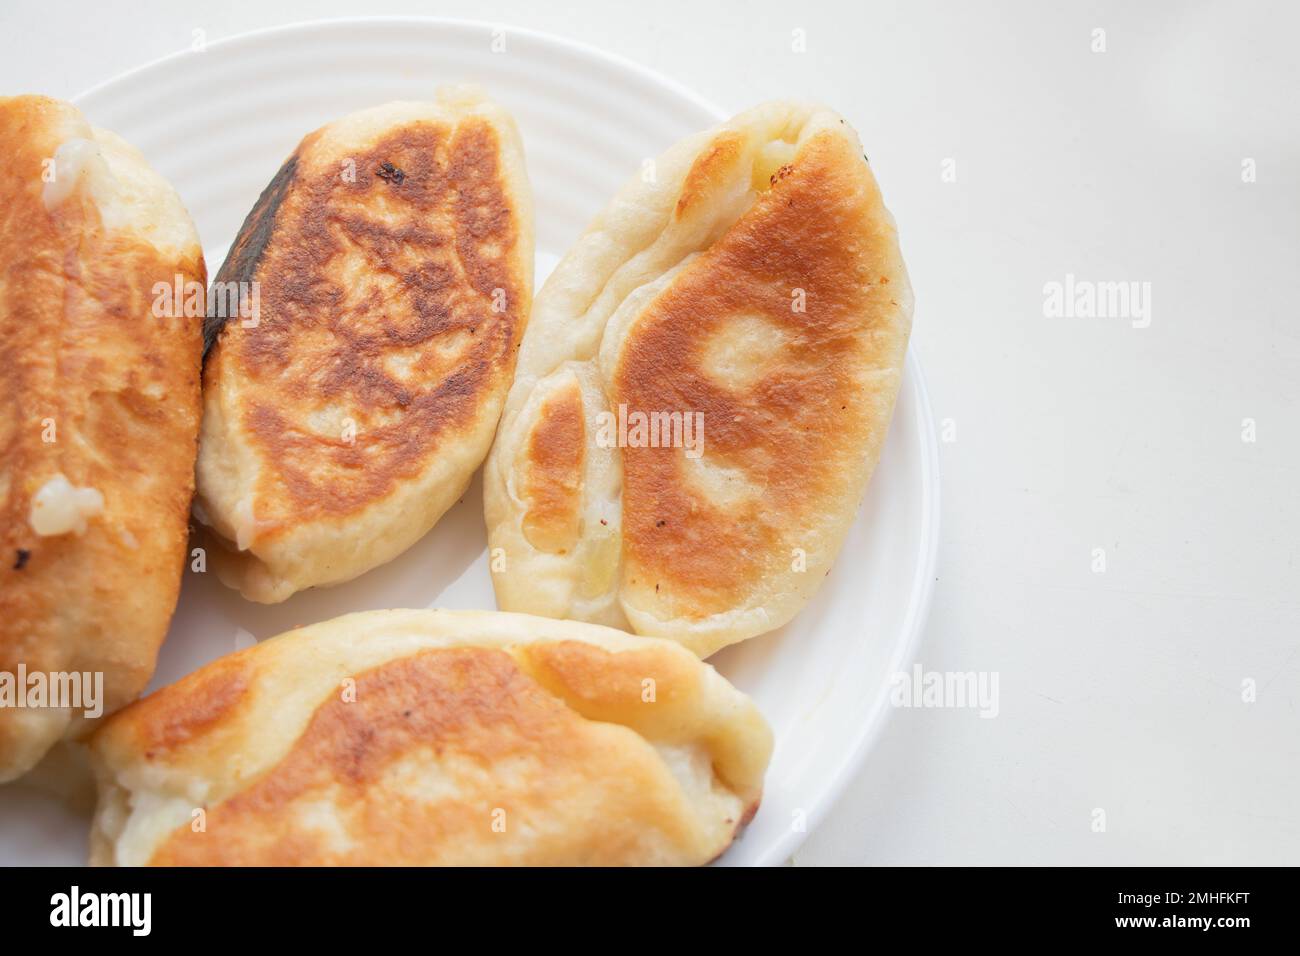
x,y
433,738
392,260
704,389
99,415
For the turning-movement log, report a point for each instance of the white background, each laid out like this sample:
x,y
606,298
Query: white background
x,y
1122,690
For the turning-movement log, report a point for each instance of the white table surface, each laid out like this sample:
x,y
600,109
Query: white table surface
x,y
1120,691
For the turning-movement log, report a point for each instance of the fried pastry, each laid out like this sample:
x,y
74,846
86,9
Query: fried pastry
x,y
390,262
99,416
433,738
704,390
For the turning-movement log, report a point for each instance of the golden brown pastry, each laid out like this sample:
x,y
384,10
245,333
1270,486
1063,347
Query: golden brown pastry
x,y
708,378
392,260
433,737
99,414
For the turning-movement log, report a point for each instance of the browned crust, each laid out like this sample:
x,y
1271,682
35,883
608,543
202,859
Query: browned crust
x,y
189,708
710,168
603,685
80,345
428,230
799,433
552,484
475,724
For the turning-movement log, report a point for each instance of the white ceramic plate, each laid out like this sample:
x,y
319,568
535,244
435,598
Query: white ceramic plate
x,y
219,122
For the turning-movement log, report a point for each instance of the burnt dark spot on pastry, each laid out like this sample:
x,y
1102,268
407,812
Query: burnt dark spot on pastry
x,y
20,561
780,174
249,245
391,174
